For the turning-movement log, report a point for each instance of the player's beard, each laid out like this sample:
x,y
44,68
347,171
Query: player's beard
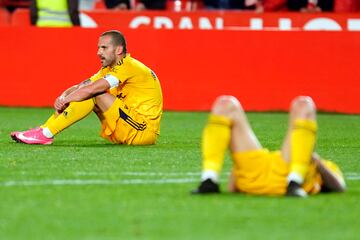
x,y
108,61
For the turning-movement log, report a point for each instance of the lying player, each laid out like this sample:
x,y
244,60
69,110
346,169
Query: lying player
x,y
125,95
294,171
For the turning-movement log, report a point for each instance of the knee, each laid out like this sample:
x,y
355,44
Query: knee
x,y
99,98
226,105
303,107
104,101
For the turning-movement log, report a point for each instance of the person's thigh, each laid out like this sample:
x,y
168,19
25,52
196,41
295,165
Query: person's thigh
x,y
242,136
104,101
123,125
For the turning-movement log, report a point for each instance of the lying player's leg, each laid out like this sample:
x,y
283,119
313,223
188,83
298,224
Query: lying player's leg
x,y
227,126
55,124
299,143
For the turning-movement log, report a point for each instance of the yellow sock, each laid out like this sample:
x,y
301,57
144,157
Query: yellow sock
x,y
51,118
73,113
303,138
215,142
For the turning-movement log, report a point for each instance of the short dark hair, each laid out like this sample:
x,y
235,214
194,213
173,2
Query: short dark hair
x,y
117,38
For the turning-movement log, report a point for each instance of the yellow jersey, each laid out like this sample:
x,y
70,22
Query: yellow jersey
x,y
263,172
138,87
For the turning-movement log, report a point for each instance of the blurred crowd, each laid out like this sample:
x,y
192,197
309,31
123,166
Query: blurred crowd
x,y
190,5
249,5
65,13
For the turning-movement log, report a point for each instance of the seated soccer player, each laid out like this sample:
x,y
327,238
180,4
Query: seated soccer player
x,y
125,95
294,171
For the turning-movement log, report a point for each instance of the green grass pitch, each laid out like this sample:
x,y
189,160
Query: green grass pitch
x,y
83,187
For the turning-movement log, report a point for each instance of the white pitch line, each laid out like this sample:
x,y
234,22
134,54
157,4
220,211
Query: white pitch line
x,y
350,176
138,173
60,182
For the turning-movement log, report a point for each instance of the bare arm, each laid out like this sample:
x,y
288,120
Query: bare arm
x,y
75,87
332,181
81,92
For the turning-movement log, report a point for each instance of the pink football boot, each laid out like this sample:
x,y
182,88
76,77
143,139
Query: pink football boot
x,y
32,136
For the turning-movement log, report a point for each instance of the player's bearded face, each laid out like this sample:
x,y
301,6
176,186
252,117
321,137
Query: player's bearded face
x,y
106,52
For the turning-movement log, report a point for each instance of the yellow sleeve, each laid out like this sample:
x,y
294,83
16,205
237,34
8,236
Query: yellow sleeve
x,y
121,72
97,76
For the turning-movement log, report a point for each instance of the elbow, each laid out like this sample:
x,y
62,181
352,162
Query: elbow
x,y
338,189
339,186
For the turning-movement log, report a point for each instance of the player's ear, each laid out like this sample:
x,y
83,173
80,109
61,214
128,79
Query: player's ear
x,y
119,50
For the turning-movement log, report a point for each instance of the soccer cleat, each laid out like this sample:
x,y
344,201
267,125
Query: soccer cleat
x,y
206,187
295,190
13,134
32,136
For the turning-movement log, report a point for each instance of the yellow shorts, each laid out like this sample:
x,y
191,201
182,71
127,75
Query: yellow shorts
x,y
123,125
265,173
